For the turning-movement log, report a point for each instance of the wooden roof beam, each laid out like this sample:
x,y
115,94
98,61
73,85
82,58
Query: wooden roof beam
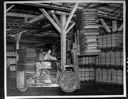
x,y
101,15
98,5
12,14
113,5
48,6
23,41
22,25
59,12
36,18
87,6
116,9
10,8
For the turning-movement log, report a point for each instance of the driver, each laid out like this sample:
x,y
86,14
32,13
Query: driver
x,y
48,56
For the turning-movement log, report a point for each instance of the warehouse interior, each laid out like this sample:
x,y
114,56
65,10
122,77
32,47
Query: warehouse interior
x,y
82,42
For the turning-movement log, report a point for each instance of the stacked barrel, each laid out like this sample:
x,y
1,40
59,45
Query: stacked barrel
x,y
110,58
85,68
99,50
86,74
110,76
86,60
111,40
27,59
11,60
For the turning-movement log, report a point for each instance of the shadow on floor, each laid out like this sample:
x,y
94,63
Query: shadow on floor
x,y
87,88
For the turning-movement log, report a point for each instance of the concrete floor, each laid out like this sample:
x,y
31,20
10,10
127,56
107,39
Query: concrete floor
x,y
86,89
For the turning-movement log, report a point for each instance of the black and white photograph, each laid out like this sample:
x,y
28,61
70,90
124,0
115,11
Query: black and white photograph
x,y
64,49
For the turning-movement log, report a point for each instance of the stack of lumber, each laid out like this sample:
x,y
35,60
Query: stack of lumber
x,y
89,31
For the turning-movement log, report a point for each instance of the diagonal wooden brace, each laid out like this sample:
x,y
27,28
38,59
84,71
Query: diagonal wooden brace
x,y
120,28
105,25
36,18
10,8
70,16
51,20
56,19
70,27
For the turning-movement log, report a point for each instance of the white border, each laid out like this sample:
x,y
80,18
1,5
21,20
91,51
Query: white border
x,y
5,69
124,45
70,1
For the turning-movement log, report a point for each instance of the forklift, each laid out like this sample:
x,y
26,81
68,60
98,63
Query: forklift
x,y
67,79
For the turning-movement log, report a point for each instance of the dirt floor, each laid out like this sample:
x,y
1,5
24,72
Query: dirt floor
x,y
87,88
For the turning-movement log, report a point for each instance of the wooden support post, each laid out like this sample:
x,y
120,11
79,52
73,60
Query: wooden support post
x,y
75,57
114,26
20,78
10,8
105,25
17,38
64,25
63,30
51,20
63,41
120,28
70,16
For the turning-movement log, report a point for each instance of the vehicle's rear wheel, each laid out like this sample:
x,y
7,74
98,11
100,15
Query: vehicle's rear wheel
x,y
68,81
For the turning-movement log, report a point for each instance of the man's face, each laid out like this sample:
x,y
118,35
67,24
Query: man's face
x,y
49,51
